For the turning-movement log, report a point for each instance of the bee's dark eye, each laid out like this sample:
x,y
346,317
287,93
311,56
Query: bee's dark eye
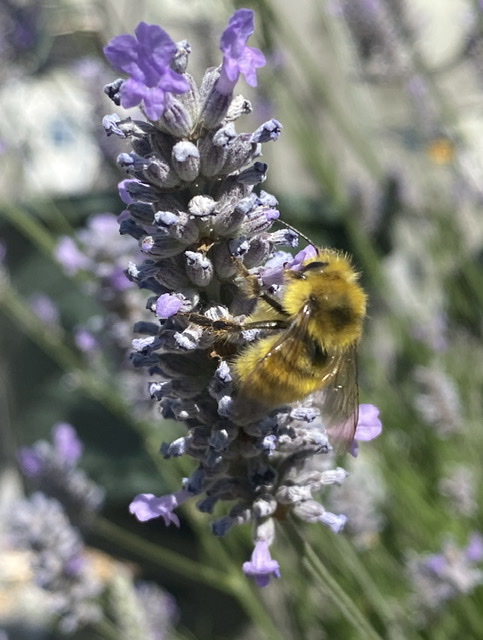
x,y
314,266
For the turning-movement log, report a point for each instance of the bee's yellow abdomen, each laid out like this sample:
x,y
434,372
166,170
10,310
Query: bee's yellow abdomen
x,y
274,377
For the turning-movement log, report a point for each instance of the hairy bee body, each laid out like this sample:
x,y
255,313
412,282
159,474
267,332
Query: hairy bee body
x,y
312,336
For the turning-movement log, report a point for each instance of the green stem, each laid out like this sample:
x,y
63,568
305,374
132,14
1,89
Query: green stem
x,y
327,583
52,343
339,597
31,228
368,586
163,557
232,582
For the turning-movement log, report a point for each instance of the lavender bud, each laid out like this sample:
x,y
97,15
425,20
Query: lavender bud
x,y
198,268
254,175
176,119
215,105
110,124
180,60
112,91
179,226
267,131
185,160
201,206
239,106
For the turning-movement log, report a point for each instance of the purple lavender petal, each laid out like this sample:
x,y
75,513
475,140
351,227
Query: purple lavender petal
x,y
237,57
368,426
436,564
85,340
307,253
45,308
124,191
474,550
70,257
146,58
147,506
167,305
66,443
30,462
261,566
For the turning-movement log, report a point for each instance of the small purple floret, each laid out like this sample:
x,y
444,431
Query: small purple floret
x,y
167,305
68,254
474,550
85,340
146,58
261,566
30,462
369,425
66,443
147,506
307,253
237,57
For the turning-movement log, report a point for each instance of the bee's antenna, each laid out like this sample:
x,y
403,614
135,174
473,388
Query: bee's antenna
x,y
299,233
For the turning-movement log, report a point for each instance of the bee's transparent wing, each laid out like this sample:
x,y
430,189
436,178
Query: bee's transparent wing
x,y
340,399
292,338
291,346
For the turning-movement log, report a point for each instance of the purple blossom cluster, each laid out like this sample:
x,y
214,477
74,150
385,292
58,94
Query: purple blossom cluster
x,y
193,205
52,468
440,577
81,585
60,567
97,255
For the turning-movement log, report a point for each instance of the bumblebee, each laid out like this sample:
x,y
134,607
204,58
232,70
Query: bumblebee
x,y
309,344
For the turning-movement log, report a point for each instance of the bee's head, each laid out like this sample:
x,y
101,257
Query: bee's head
x,y
330,263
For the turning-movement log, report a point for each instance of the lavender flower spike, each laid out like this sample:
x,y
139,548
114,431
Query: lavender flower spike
x,y
237,57
146,58
194,206
53,470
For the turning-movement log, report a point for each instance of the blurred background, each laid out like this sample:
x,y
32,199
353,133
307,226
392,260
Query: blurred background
x,y
381,155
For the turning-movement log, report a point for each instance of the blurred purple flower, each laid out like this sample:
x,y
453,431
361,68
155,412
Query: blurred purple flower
x,y
147,506
31,462
261,566
66,443
67,446
444,575
85,340
68,254
104,224
53,469
474,550
45,308
237,57
368,427
118,280
146,58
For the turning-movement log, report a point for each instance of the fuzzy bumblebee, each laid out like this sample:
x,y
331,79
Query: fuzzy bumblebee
x,y
312,333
